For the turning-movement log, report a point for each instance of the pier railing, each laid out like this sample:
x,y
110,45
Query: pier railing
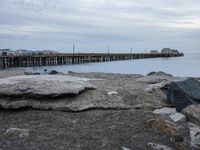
x,y
76,58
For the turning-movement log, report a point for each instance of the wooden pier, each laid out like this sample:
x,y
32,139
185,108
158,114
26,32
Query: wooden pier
x,y
70,58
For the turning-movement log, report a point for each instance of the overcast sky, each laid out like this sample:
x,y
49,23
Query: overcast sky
x,y
93,25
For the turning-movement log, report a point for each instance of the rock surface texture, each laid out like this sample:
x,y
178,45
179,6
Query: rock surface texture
x,y
184,93
195,136
166,127
192,113
42,86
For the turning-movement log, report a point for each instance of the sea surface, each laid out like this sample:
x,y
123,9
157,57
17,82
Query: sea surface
x,y
189,65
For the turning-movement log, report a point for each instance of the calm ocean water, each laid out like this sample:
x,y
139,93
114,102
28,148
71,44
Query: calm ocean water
x,y
189,65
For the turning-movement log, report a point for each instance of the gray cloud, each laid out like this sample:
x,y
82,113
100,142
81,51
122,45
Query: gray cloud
x,y
93,25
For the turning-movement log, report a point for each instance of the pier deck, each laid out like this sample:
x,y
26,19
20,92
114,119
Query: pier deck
x,y
70,58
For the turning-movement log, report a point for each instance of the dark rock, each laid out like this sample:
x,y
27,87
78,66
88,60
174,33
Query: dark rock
x,y
184,93
71,72
31,73
36,73
159,73
53,72
45,70
151,73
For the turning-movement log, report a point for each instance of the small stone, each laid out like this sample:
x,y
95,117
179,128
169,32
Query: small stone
x,y
31,73
125,148
165,111
154,146
16,131
178,117
112,93
166,127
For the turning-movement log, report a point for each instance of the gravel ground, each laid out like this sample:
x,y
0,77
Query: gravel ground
x,y
92,129
89,130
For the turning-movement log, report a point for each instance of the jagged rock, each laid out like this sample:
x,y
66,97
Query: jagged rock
x,y
165,111
158,86
166,127
154,146
195,135
43,86
178,117
159,73
53,72
192,113
17,131
184,93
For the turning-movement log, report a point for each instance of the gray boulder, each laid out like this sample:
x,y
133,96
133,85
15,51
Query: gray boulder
x,y
53,72
42,86
192,113
159,73
184,93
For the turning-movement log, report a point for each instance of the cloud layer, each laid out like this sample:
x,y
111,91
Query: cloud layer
x,y
95,24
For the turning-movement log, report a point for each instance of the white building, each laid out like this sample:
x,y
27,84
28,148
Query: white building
x,y
169,51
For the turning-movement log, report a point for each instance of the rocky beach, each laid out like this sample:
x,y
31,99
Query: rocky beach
x,y
98,111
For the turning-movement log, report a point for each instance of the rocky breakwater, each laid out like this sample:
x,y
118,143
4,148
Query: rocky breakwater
x,y
185,99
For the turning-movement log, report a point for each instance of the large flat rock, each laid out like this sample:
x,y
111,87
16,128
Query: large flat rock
x,y
42,86
59,92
